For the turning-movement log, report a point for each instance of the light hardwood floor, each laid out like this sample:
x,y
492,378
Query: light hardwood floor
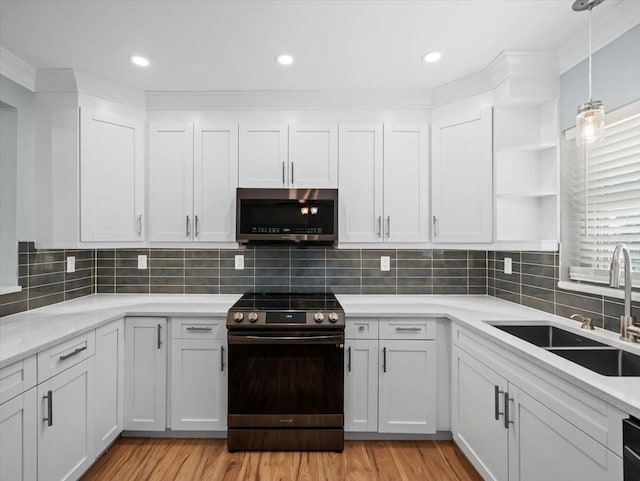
x,y
136,459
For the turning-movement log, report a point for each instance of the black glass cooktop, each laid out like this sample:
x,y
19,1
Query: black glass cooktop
x,y
287,302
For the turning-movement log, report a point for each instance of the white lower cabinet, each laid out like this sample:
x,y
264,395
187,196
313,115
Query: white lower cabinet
x,y
361,385
407,391
18,438
109,392
65,423
509,435
198,385
145,379
390,384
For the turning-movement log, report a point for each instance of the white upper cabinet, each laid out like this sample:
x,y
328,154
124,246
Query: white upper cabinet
x,y
360,192
406,181
215,181
111,177
313,156
277,155
170,181
264,155
462,173
383,183
193,172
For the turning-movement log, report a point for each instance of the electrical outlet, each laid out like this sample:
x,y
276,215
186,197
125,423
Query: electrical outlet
x,y
142,262
385,263
71,264
508,265
239,262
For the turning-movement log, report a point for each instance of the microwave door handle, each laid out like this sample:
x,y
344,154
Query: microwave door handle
x,y
283,182
292,178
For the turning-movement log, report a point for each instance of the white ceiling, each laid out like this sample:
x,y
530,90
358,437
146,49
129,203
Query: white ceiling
x,y
231,45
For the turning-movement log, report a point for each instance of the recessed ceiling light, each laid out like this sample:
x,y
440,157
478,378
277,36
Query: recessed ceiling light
x,y
284,59
139,61
431,57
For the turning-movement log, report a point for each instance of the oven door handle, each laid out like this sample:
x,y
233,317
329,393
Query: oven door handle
x,y
256,339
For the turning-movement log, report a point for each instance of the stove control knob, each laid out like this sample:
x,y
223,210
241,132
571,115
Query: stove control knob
x,y
318,317
333,317
238,316
253,317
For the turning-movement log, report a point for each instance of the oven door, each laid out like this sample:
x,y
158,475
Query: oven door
x,y
286,379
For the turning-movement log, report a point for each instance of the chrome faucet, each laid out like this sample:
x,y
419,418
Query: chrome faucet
x,y
628,331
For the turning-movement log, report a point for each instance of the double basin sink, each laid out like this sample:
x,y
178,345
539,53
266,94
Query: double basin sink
x,y
594,355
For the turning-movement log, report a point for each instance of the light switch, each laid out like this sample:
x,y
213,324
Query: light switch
x,y
239,262
142,262
385,263
508,265
71,263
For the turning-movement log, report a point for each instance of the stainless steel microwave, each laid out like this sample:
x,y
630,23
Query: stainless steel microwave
x,y
286,216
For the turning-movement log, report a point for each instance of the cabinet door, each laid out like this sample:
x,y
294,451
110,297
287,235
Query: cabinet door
x,y
263,155
111,177
543,445
313,156
18,440
478,415
171,181
360,183
198,385
361,385
65,417
407,401
462,187
145,378
406,182
109,393
215,182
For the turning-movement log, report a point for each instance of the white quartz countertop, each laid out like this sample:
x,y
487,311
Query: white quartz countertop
x,y
27,333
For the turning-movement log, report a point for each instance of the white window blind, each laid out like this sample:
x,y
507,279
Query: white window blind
x,y
605,202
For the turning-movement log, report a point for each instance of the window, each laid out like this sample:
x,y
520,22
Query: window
x,y
604,199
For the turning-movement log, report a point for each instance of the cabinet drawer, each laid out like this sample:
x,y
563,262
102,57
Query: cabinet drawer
x,y
58,358
17,378
361,329
198,327
407,328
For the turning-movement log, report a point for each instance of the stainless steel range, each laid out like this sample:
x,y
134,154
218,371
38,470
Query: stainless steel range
x,y
286,373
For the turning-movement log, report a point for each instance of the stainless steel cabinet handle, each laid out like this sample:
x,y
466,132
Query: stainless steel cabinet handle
x,y
73,353
292,177
222,358
192,328
507,399
197,226
188,229
388,226
349,359
140,225
283,173
435,225
497,393
159,340
49,398
379,226
384,359
408,329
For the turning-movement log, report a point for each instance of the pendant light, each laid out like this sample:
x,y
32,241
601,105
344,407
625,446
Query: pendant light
x,y
590,118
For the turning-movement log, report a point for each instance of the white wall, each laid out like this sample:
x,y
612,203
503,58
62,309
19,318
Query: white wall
x,y
8,175
22,99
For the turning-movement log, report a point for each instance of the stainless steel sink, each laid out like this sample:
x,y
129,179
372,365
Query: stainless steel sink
x,y
548,336
606,361
593,355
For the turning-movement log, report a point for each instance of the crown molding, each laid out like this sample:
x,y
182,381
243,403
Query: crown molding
x,y
16,69
624,15
76,81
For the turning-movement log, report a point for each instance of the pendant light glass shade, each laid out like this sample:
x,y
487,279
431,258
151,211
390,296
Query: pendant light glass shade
x,y
590,119
590,123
